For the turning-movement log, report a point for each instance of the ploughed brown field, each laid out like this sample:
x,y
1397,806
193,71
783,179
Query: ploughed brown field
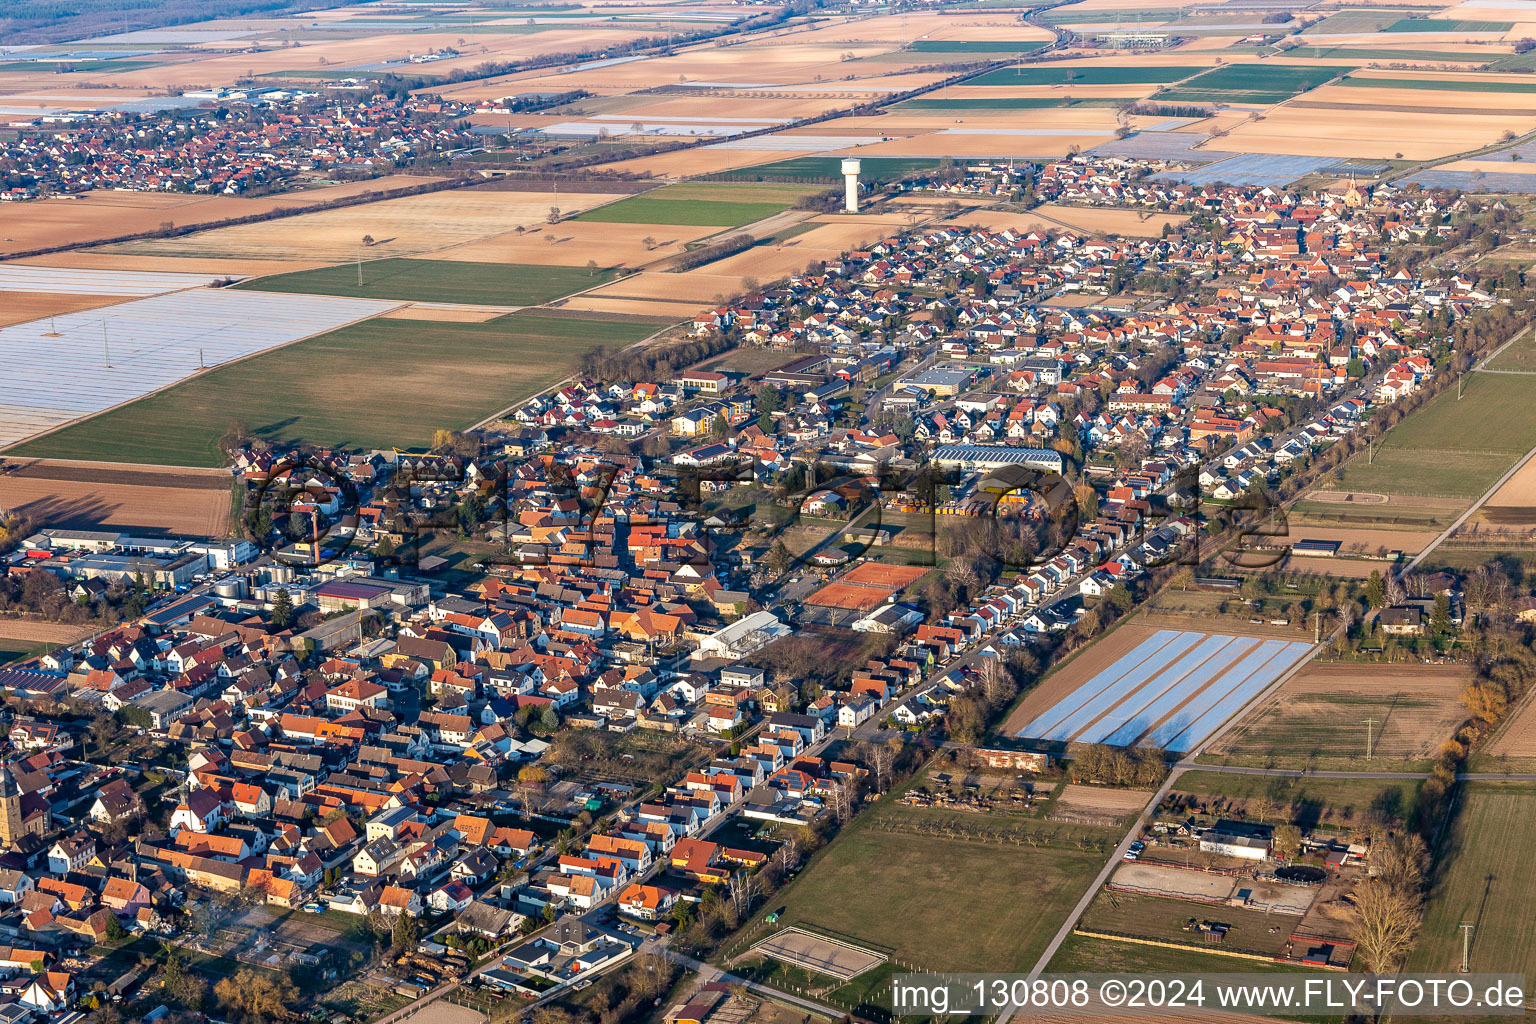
x,y
19,307
103,214
1322,712
151,500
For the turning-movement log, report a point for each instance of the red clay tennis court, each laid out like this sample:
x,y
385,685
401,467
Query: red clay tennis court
x,y
879,574
865,587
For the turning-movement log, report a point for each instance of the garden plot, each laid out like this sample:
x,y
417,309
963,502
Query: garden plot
x,y
57,370
1172,690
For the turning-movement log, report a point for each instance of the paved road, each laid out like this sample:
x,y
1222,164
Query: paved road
x,y
709,972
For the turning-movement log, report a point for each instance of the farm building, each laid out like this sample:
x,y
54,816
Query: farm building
x,y
1237,839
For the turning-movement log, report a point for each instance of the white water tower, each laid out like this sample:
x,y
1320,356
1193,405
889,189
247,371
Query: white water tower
x,y
851,185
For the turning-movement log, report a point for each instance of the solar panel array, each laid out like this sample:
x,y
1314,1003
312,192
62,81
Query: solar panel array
x,y
59,369
1172,691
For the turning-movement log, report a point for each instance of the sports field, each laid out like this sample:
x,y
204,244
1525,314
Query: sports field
x,y
370,385
725,206
483,284
1482,877
1249,83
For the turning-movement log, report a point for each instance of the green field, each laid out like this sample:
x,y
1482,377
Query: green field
x,y
33,67
975,45
1496,413
1037,75
1355,53
1013,102
1404,472
697,205
482,284
1447,84
943,904
872,168
12,649
1519,356
1250,83
1482,877
1453,448
1447,25
1357,21
1309,799
1514,61
369,385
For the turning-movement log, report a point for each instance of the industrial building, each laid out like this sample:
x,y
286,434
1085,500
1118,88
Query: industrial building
x,y
984,456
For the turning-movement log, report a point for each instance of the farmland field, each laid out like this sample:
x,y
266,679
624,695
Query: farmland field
x,y
1490,427
1373,53
1447,25
975,45
1248,83
1482,877
401,227
916,895
717,205
1086,75
1011,102
829,168
491,284
140,501
1446,83
1170,691
1319,716
373,384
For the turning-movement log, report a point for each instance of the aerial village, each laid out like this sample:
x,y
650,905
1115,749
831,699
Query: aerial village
x,y
260,139
590,731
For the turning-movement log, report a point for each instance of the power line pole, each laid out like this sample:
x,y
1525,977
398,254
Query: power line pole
x,y
1369,722
1466,946
106,351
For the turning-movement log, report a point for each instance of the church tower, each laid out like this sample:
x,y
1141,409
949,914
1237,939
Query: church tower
x,y
10,810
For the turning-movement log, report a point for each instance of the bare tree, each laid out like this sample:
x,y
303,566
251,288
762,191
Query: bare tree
x,y
743,893
840,801
996,681
881,759
1388,922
